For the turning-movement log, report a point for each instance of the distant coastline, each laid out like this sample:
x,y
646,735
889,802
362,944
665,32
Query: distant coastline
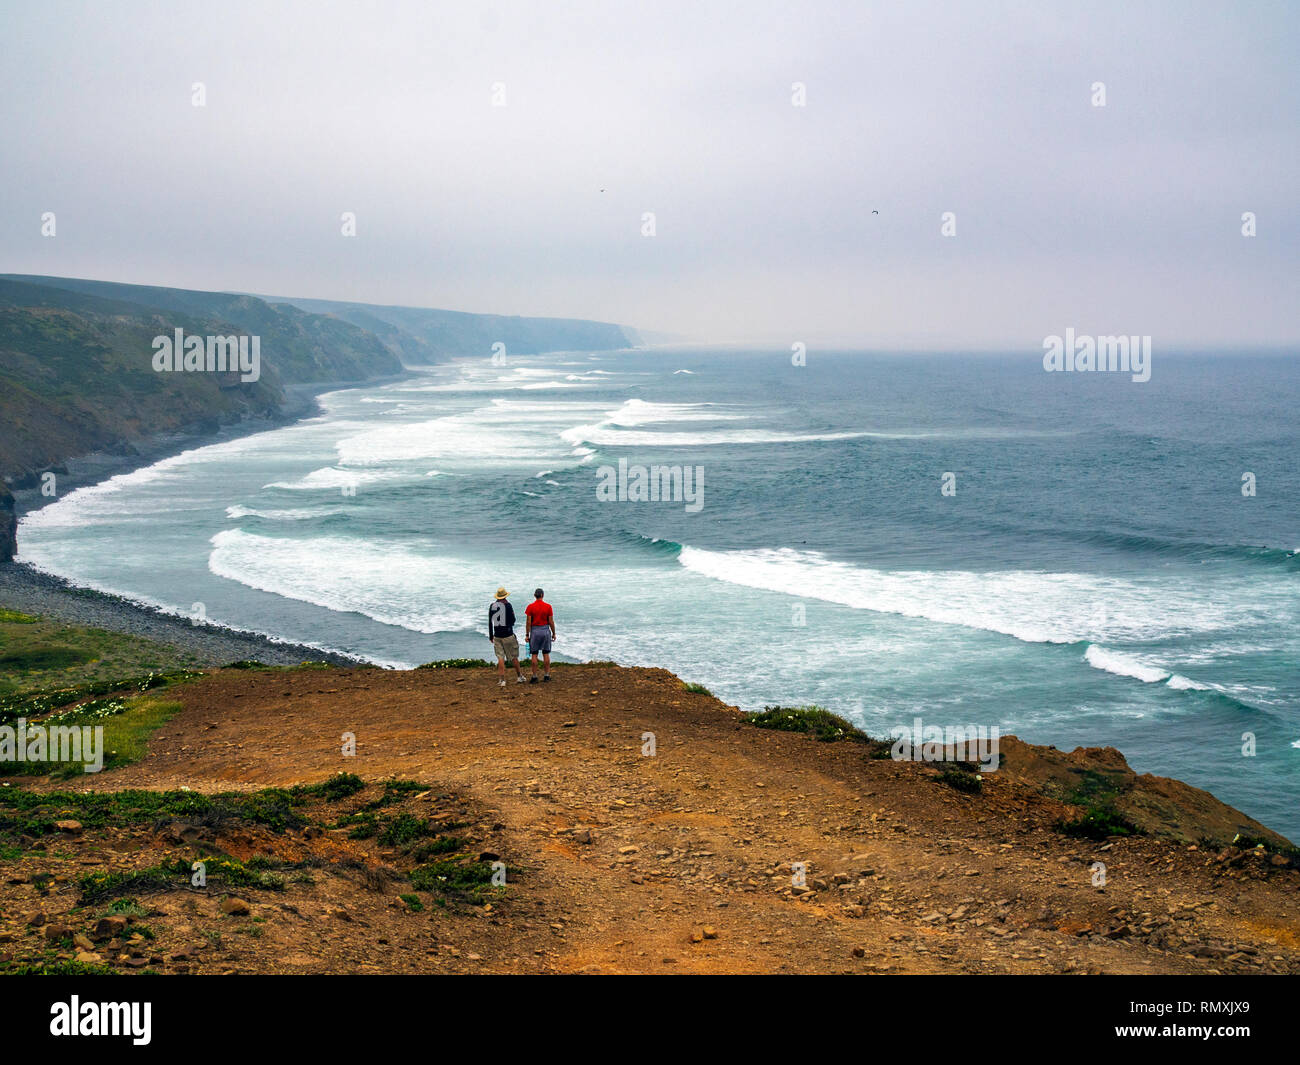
x,y
78,383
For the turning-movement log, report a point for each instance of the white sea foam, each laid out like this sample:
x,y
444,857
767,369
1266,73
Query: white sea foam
x,y
602,436
1180,683
613,430
294,514
636,412
1032,606
1124,665
330,477
502,385
389,583
117,497
494,434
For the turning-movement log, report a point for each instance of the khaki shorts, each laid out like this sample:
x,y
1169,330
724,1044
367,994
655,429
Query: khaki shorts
x,y
506,647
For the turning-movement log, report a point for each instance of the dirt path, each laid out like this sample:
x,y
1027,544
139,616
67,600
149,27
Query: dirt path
x,y
682,860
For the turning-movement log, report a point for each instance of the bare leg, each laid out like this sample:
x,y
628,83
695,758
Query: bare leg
x,y
546,657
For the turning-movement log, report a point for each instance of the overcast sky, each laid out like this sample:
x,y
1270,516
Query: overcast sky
x,y
1117,219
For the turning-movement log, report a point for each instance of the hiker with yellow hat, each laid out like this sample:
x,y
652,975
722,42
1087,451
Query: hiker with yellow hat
x,y
501,631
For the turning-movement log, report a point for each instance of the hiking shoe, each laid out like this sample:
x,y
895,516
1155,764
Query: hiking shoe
x,y
520,679
503,682
532,680
546,678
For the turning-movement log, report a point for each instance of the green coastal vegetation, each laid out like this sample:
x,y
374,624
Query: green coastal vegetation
x,y
55,674
429,863
817,722
42,654
438,860
76,373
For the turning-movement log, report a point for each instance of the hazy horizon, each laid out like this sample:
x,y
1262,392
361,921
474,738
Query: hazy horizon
x,y
1119,219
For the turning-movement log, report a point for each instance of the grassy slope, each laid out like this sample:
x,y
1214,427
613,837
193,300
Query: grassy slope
x,y
76,371
303,347
38,655
76,376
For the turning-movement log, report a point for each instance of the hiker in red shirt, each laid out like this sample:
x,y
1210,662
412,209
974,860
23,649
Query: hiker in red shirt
x,y
539,631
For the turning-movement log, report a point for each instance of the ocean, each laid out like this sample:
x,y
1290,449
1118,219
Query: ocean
x,y
968,540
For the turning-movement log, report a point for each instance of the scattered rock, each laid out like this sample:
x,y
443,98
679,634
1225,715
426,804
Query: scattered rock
x,y
110,927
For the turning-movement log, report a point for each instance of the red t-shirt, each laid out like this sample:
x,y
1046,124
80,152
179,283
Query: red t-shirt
x,y
539,613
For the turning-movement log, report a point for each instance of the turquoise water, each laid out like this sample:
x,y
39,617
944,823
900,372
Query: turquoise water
x,y
1096,578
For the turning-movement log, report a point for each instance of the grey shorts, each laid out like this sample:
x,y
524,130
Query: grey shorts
x,y
539,641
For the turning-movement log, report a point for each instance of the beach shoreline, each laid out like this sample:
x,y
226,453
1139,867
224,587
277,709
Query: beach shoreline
x,y
26,588
85,471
